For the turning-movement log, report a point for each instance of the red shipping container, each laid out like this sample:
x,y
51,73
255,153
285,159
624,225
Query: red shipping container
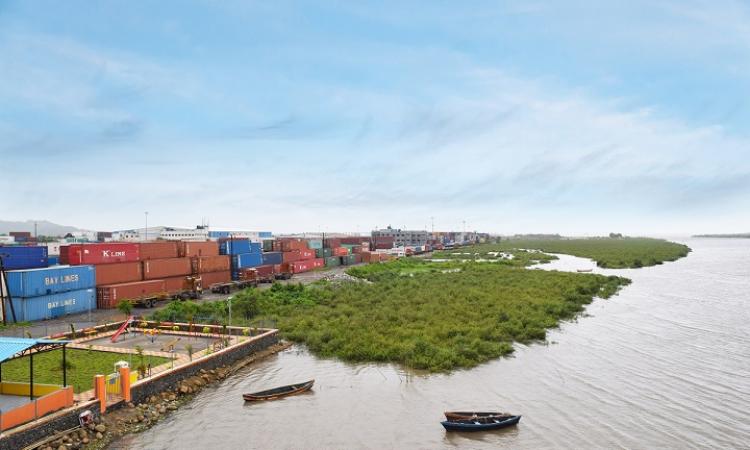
x,y
301,266
293,244
340,251
64,254
265,272
209,278
357,258
190,248
108,296
158,250
291,256
318,262
282,268
176,285
204,264
332,243
356,240
357,249
118,273
165,268
107,253
276,246
307,254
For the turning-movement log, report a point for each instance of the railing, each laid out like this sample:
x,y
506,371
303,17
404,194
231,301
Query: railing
x,y
62,397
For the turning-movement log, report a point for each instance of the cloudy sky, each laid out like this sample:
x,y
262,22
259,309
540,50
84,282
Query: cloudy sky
x,y
575,117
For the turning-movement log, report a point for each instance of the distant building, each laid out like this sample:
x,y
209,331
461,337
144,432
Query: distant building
x,y
161,233
403,238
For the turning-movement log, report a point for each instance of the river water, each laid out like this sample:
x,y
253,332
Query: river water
x,y
664,364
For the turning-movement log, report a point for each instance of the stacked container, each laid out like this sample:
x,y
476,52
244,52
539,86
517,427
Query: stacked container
x,y
243,253
23,257
46,293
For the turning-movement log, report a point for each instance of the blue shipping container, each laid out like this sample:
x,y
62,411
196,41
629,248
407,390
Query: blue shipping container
x,y
50,280
246,260
239,246
23,257
265,234
51,306
53,260
272,258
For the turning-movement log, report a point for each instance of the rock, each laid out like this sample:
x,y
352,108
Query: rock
x,y
67,439
91,426
162,409
152,399
62,447
85,441
184,389
140,417
202,371
131,405
82,433
101,428
99,435
172,407
172,397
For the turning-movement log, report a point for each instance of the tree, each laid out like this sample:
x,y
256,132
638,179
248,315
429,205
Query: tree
x,y
125,307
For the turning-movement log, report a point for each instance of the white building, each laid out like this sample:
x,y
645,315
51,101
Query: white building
x,y
161,232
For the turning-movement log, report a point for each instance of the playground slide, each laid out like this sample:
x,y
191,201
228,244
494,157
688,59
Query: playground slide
x,y
122,328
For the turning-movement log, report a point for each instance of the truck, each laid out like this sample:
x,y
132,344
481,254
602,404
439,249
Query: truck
x,y
146,293
248,278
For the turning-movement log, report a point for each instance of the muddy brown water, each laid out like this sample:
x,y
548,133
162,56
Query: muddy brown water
x,y
665,364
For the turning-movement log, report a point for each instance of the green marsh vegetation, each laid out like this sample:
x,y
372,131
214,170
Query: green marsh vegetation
x,y
431,316
613,253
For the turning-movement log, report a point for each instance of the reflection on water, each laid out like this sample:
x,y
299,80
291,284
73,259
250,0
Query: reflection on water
x,y
664,364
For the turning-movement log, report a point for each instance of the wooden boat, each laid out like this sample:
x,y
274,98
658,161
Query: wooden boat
x,y
279,392
480,423
584,270
463,415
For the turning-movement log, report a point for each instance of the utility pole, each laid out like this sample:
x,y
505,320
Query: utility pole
x,y
146,213
35,236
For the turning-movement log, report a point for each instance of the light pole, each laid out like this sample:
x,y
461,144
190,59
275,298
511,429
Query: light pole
x,y
146,213
229,301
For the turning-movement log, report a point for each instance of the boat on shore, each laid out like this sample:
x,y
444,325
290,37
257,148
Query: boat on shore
x,y
480,423
464,415
584,270
279,392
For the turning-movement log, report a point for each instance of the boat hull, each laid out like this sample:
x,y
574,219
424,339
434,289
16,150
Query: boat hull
x,y
463,415
279,392
480,424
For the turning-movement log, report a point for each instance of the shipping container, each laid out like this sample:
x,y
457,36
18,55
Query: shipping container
x,y
108,296
267,245
119,273
276,246
209,278
197,248
357,249
301,266
53,260
383,242
265,272
340,251
323,252
49,280
204,264
350,259
164,268
271,258
246,260
293,244
29,309
158,250
332,243
318,263
332,261
315,243
237,246
178,285
290,256
23,257
306,254
106,253
265,234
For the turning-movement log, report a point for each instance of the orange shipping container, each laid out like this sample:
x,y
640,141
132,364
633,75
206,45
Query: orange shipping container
x,y
158,250
291,256
165,268
205,264
118,273
108,296
176,285
340,251
189,249
306,254
209,278
293,244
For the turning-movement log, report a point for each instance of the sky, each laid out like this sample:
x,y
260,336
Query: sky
x,y
576,117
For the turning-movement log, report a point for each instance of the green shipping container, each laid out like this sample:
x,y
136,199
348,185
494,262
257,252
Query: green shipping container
x,y
333,261
268,245
323,252
348,260
315,243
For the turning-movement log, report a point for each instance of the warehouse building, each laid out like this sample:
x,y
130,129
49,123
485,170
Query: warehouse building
x,y
402,238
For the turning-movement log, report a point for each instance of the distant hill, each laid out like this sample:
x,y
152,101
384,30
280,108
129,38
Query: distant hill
x,y
735,235
43,227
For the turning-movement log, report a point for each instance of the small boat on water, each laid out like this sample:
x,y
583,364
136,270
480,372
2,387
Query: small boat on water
x,y
463,415
279,392
480,423
584,270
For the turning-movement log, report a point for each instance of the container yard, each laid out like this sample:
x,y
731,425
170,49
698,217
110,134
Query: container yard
x,y
145,273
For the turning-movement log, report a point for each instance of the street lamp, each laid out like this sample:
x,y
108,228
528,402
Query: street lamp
x,y
229,301
146,213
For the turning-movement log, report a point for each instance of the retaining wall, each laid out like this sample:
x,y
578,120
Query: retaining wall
x,y
26,435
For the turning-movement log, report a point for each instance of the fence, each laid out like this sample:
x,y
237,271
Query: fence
x,y
61,397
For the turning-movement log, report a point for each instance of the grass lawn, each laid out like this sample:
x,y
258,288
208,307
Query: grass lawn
x,y
82,366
